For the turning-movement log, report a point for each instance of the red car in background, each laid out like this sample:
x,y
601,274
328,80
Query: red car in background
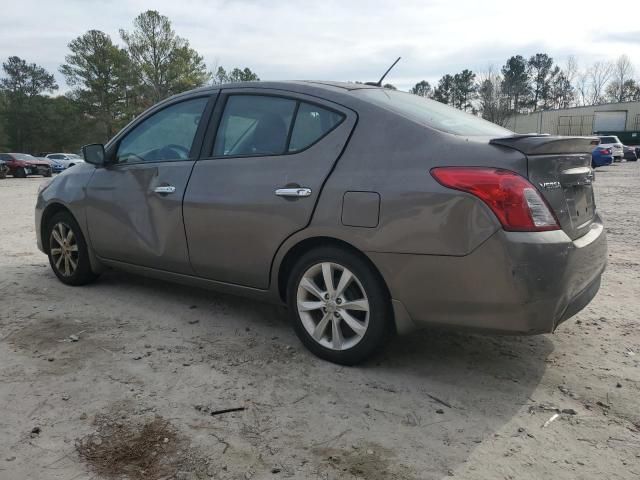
x,y
22,165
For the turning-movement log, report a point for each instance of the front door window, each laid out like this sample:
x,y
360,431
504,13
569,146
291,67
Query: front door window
x,y
165,136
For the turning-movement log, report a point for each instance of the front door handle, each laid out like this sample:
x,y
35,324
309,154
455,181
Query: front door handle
x,y
293,192
165,189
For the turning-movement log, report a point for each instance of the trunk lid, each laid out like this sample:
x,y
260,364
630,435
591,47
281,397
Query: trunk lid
x,y
560,168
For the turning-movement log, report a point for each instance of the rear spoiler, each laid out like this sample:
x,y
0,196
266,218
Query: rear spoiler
x,y
545,144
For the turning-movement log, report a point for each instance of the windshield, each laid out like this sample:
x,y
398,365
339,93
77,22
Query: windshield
x,y
609,140
432,114
73,155
24,157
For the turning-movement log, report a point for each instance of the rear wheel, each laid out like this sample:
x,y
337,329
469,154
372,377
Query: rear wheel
x,y
339,305
67,250
20,173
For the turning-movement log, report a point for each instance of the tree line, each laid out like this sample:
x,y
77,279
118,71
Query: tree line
x,y
109,85
525,85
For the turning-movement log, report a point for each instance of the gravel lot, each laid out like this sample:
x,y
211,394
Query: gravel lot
x,y
110,357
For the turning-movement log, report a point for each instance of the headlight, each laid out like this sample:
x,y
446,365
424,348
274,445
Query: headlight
x,y
44,185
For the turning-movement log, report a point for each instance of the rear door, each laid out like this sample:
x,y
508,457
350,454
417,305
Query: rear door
x,y
259,179
134,206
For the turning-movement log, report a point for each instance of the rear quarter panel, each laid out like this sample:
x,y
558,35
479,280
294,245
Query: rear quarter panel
x,y
392,156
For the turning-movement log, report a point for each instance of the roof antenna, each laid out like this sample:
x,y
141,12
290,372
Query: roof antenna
x,y
379,82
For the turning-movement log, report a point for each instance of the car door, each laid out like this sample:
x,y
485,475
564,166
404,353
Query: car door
x,y
259,182
134,205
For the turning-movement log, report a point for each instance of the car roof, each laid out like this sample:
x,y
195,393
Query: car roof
x,y
323,84
322,88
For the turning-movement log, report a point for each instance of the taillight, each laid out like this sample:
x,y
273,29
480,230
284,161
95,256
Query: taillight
x,y
512,198
607,151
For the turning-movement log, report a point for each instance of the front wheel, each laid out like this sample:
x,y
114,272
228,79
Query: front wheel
x,y
20,173
339,305
67,250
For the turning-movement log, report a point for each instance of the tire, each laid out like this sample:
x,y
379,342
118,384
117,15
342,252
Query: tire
x,y
58,228
346,345
20,173
48,173
3,174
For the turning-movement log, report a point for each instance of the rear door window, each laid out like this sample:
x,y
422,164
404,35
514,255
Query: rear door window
x,y
254,125
266,125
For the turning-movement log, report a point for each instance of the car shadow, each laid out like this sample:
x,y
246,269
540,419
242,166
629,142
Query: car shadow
x,y
423,404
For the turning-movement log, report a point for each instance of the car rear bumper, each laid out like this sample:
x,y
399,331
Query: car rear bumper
x,y
523,283
602,161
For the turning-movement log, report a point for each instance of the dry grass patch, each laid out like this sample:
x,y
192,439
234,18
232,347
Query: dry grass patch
x,y
138,450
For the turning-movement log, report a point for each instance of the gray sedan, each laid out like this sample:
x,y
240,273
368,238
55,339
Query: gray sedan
x,y
369,212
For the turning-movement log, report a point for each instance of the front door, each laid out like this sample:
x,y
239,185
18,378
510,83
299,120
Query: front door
x,y
260,183
134,205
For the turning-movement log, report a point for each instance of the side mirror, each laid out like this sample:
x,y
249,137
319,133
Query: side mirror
x,y
94,154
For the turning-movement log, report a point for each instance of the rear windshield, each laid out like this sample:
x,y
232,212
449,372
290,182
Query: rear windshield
x,y
432,114
609,140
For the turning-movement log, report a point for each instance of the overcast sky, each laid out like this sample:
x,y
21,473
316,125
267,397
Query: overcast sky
x,y
341,39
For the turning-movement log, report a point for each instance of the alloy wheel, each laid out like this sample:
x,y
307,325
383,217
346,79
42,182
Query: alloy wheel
x,y
333,306
64,249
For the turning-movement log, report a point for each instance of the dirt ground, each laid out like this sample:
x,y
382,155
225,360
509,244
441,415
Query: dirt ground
x,y
127,351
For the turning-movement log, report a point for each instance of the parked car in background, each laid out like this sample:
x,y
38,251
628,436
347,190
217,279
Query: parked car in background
x,y
630,153
64,160
22,164
368,211
615,144
4,169
601,156
57,166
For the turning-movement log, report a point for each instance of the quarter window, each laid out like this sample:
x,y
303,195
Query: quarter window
x,y
165,136
312,123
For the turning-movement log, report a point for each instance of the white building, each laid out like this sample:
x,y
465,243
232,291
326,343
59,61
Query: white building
x,y
612,117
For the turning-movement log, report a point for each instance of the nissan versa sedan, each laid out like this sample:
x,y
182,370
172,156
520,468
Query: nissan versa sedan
x,y
367,211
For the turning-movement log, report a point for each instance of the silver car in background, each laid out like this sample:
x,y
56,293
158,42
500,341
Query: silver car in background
x,y
62,161
367,211
612,142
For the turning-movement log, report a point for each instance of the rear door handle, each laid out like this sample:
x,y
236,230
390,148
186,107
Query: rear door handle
x,y
293,192
165,189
